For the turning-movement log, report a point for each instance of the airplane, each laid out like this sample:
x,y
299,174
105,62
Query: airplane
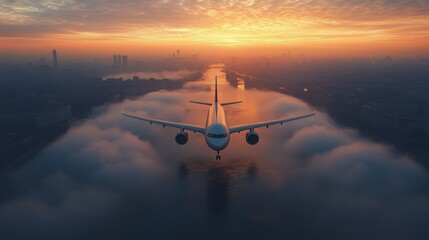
x,y
216,131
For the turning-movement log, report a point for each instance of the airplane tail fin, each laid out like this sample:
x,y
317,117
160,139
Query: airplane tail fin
x,y
205,103
216,89
216,97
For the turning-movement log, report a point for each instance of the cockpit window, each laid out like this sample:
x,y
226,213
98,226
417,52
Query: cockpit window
x,y
212,135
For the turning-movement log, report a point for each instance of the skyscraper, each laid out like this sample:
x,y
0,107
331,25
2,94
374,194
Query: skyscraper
x,y
178,53
54,58
115,60
124,62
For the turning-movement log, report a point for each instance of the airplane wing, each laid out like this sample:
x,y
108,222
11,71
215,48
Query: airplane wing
x,y
251,126
181,126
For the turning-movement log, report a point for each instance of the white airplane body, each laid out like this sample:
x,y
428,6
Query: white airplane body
x,y
216,131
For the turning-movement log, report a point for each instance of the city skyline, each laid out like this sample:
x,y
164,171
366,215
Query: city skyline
x,y
54,58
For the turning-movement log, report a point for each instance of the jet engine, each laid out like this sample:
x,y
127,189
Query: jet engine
x,y
181,138
252,137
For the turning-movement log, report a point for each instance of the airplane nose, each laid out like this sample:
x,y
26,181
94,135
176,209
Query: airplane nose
x,y
217,144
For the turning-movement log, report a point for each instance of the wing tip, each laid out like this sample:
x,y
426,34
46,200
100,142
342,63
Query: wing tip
x,y
122,109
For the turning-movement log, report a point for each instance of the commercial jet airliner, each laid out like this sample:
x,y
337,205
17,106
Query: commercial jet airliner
x,y
217,132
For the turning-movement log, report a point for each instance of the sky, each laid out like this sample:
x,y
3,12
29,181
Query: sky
x,y
111,177
334,27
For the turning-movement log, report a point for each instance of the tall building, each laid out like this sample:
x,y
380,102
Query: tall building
x,y
54,58
119,61
124,62
178,53
115,60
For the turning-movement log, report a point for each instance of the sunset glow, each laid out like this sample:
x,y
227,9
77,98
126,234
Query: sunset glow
x,y
322,26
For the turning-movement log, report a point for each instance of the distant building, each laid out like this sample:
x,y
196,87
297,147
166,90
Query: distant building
x,y
115,60
124,62
54,58
178,53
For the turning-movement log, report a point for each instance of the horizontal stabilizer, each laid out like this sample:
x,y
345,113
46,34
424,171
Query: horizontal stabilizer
x,y
202,103
230,103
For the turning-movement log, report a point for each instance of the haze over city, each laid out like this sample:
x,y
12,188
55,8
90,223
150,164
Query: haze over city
x,y
73,167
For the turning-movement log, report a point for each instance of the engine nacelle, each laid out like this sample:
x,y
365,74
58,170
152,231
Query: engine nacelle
x,y
181,138
252,137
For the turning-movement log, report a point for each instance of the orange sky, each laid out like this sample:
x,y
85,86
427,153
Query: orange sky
x,y
318,28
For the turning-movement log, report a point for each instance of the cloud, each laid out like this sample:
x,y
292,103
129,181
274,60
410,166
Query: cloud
x,y
224,22
358,185
315,140
80,177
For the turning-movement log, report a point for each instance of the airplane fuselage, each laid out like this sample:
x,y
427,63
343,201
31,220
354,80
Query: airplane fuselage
x,y
217,131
